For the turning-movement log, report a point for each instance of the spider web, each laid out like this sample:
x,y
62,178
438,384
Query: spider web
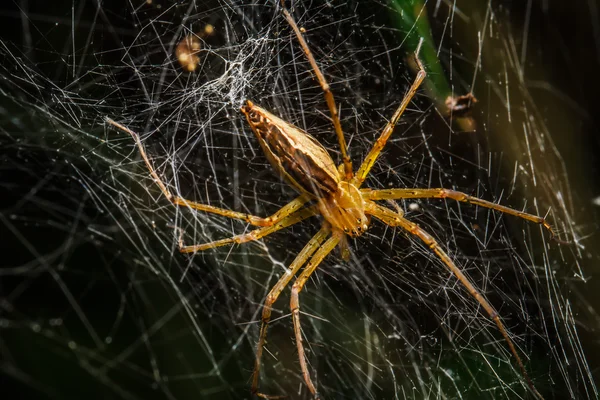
x,y
98,303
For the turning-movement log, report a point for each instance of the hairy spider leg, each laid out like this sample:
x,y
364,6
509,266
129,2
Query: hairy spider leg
x,y
440,193
273,295
395,219
328,94
295,302
252,235
283,212
373,154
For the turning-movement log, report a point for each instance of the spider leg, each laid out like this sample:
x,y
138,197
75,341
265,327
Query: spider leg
x,y
252,235
370,159
295,302
395,194
179,201
326,89
395,219
300,259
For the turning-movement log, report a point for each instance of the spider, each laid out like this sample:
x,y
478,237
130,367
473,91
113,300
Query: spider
x,y
335,193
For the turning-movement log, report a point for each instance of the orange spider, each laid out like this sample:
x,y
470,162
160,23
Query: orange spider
x,y
335,194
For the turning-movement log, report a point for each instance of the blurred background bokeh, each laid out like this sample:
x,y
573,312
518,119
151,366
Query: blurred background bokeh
x,y
95,301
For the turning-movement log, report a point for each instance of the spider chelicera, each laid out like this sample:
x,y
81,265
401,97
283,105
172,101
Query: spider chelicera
x,y
335,194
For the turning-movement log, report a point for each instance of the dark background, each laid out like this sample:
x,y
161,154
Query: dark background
x,y
564,42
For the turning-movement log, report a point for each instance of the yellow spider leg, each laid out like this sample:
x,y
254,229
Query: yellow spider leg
x,y
394,219
369,161
295,302
251,219
252,235
328,94
396,194
276,290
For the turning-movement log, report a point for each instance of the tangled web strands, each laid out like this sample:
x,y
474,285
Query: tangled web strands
x,y
94,283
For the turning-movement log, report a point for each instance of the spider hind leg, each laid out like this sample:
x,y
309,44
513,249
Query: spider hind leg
x,y
180,201
333,110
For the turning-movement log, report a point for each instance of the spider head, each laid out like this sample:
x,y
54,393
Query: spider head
x,y
345,210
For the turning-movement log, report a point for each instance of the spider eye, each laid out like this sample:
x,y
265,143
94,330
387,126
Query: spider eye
x,y
346,230
359,220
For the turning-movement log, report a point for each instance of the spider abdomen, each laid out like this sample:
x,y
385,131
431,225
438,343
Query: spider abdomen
x,y
294,154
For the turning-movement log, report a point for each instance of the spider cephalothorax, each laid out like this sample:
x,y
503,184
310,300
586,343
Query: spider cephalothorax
x,y
345,210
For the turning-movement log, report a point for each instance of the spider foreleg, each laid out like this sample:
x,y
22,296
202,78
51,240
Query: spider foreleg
x,y
319,255
274,293
394,219
252,235
440,193
344,248
180,201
